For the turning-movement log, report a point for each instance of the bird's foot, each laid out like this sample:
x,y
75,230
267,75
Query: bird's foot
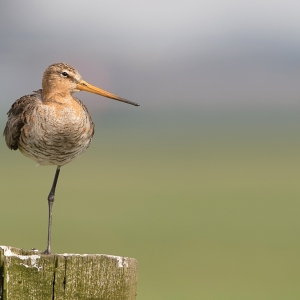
x,y
47,251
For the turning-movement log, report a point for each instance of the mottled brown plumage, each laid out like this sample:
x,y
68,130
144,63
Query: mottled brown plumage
x,y
51,126
51,133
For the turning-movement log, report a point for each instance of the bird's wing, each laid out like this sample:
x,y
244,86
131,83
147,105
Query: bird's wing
x,y
17,117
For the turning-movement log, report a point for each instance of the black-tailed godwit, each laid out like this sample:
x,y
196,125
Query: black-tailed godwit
x,y
51,126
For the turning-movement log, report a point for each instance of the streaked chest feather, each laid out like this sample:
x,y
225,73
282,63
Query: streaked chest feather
x,y
56,134
56,123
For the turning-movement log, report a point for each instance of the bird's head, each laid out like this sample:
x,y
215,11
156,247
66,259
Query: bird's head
x,y
65,79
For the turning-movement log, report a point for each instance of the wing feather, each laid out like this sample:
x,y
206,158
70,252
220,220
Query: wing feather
x,y
17,118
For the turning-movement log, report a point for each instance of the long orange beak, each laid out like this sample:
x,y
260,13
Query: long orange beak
x,y
85,86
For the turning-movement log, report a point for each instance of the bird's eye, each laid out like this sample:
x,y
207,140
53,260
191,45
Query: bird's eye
x,y
65,74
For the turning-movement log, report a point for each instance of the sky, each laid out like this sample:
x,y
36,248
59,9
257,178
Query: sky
x,y
162,54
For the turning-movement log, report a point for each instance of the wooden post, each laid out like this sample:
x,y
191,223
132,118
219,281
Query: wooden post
x,y
31,274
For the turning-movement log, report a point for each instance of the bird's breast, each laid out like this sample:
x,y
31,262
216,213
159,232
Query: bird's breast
x,y
60,120
55,133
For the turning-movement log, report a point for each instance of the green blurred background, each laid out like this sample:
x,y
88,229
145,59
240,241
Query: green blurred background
x,y
208,204
200,183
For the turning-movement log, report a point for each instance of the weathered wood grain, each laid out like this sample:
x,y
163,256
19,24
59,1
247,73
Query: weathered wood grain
x,y
34,275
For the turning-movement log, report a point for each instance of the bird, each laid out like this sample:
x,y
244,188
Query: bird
x,y
51,126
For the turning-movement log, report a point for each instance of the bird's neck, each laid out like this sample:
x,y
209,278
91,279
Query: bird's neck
x,y
58,96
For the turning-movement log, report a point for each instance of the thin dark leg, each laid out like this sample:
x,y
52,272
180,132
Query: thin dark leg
x,y
50,204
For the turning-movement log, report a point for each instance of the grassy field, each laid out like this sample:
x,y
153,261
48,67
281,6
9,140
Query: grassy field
x,y
207,202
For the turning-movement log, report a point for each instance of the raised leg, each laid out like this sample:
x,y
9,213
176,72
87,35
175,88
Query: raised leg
x,y
50,204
